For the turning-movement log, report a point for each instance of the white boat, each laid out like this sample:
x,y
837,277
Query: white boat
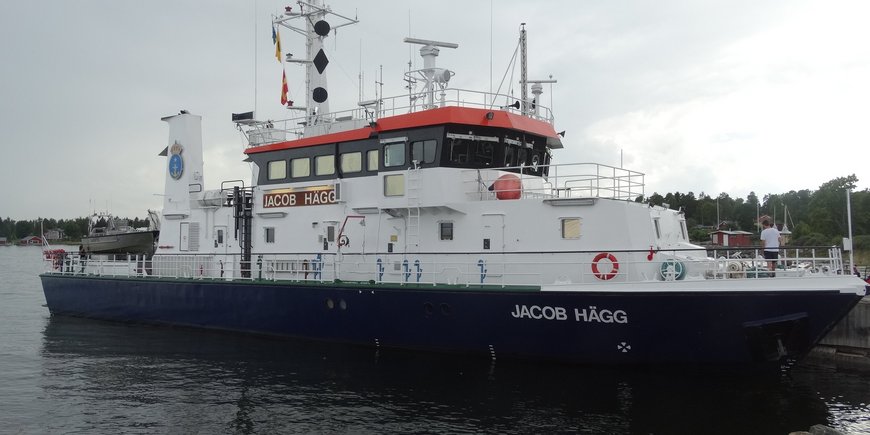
x,y
436,220
110,235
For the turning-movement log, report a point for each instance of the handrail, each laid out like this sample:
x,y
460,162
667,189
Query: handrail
x,y
570,180
468,269
387,107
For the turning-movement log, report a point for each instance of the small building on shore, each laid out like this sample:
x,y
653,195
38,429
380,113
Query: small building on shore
x,y
4,241
727,238
54,234
30,241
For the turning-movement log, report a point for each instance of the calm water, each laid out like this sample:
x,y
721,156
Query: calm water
x,y
64,375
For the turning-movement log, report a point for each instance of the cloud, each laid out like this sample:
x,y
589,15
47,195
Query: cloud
x,y
722,96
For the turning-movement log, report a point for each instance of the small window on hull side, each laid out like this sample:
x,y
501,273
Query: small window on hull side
x,y
446,230
394,185
571,228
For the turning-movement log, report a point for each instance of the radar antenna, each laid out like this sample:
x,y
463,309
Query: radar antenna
x,y
431,76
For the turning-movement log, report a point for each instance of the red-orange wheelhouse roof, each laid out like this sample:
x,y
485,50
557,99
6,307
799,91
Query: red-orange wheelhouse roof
x,y
440,116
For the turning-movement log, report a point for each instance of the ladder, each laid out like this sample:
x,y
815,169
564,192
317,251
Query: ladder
x,y
412,218
243,206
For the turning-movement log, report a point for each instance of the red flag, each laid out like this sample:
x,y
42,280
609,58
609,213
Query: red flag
x,y
283,88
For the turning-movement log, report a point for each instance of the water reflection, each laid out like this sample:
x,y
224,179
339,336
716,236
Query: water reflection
x,y
108,378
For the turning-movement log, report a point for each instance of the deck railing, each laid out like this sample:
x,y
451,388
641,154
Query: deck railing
x,y
266,132
574,180
502,269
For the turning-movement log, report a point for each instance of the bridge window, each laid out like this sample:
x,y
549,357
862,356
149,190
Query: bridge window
x,y
372,160
570,228
484,154
277,170
324,165
459,151
351,162
394,154
522,155
509,156
300,167
423,151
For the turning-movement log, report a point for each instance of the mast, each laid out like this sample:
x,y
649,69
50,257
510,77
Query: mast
x,y
537,88
524,73
317,28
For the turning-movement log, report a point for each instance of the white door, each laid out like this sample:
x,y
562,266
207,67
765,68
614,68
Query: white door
x,y
493,233
184,244
220,238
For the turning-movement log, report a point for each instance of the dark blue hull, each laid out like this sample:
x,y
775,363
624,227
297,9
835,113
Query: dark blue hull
x,y
581,327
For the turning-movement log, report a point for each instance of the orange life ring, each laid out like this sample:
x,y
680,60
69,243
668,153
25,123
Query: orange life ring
x,y
614,263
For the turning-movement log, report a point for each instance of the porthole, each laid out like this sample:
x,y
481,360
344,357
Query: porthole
x,y
445,309
330,304
428,308
342,304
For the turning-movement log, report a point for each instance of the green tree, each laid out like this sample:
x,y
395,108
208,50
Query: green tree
x,y
827,208
23,229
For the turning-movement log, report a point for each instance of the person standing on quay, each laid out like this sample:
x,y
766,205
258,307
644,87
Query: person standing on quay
x,y
770,240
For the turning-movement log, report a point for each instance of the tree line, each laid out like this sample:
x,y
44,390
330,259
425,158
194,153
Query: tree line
x,y
814,217
74,229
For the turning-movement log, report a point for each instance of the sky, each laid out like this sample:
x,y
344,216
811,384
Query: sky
x,y
706,96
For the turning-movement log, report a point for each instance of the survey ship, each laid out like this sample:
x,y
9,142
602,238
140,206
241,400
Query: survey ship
x,y
437,220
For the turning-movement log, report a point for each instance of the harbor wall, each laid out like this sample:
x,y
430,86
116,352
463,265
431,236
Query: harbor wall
x,y
854,330
849,341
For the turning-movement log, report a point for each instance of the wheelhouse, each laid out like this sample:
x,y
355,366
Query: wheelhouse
x,y
452,145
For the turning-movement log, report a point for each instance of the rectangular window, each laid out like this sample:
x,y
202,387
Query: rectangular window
x,y
684,230
394,154
522,153
351,162
509,156
571,228
269,234
458,151
658,228
330,233
300,167
372,160
324,165
394,185
423,151
446,230
277,170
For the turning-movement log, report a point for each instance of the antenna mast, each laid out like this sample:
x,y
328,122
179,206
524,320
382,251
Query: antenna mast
x,y
524,74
